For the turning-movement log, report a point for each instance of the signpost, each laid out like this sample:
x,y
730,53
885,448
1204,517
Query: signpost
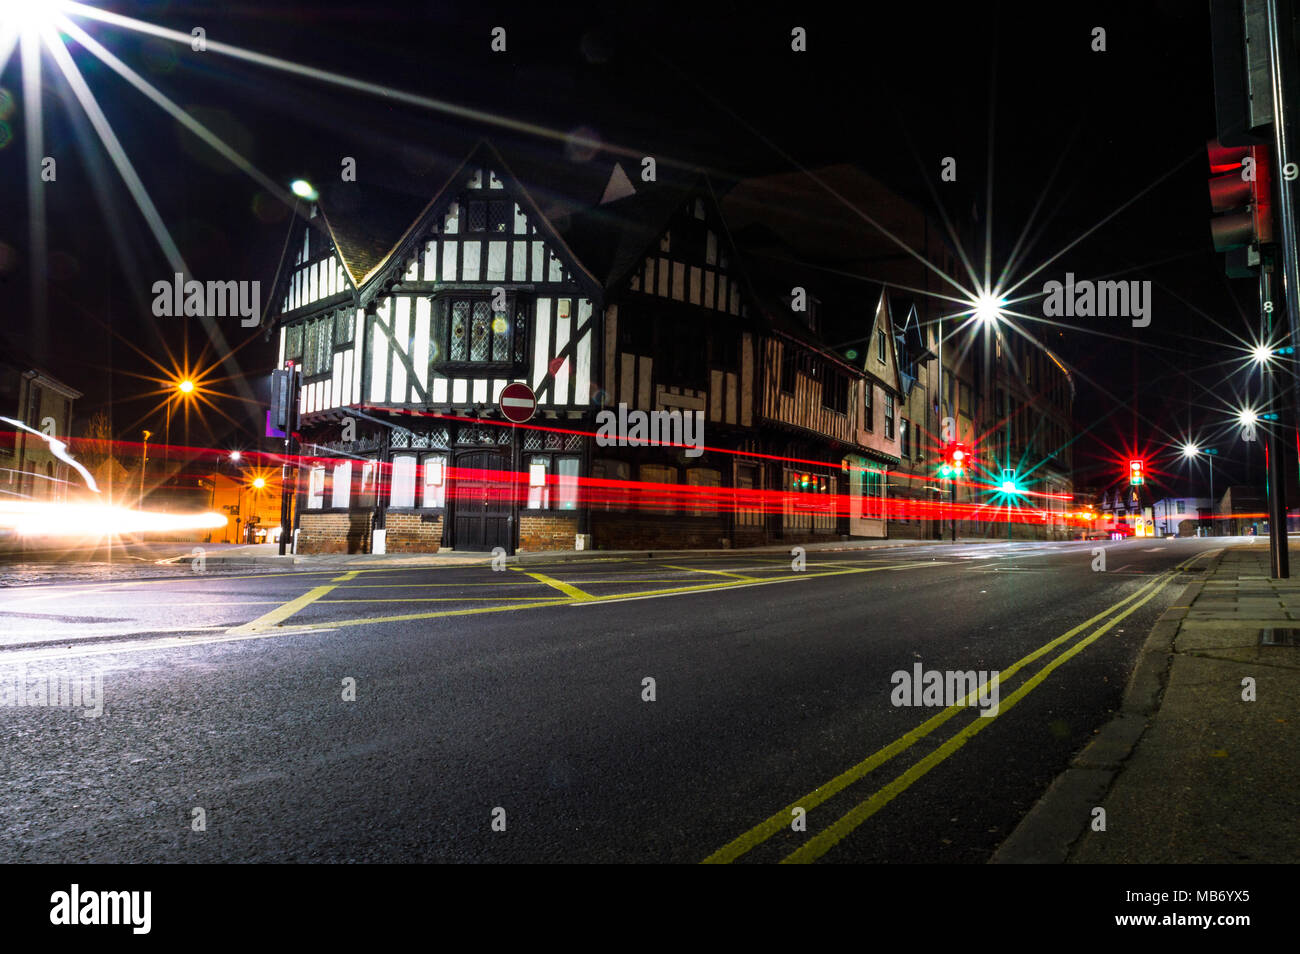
x,y
518,403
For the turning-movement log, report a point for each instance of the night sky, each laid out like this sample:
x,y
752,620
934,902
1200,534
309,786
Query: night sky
x,y
1082,132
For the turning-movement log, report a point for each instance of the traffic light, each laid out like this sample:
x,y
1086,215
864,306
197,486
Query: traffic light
x,y
1137,472
955,460
284,400
1240,187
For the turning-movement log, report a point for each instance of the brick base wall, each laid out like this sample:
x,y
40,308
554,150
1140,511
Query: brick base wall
x,y
413,532
334,532
615,531
547,532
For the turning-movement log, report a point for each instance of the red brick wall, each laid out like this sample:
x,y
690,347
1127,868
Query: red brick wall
x,y
412,533
334,532
547,532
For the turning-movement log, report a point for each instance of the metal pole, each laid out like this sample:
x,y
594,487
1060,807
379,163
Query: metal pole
x,y
1279,558
1282,58
144,462
291,448
1213,529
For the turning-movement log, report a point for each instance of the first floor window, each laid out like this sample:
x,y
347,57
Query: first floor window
x,y
608,490
539,490
658,499
706,500
402,490
749,505
905,437
367,484
889,416
566,488
553,483
342,484
470,331
316,487
435,481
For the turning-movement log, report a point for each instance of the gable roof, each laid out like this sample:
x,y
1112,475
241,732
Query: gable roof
x,y
613,237
369,224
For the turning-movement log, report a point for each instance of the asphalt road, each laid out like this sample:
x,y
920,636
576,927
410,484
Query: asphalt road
x,y
519,695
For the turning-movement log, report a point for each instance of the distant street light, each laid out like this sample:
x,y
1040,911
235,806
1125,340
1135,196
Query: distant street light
x,y
235,456
303,190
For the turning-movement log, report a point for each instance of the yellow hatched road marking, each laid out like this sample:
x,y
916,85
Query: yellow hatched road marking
x,y
350,575
440,599
696,569
405,617
283,612
583,600
566,588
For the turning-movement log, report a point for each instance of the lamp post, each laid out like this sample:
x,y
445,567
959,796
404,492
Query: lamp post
x,y
144,461
1190,451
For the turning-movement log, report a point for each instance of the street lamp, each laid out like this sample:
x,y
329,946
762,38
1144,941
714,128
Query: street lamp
x,y
184,387
1191,450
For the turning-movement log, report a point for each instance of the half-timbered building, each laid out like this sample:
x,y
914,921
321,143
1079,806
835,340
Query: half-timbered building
x,y
610,295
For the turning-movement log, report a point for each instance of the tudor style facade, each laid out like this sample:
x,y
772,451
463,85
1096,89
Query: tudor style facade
x,y
403,361
408,325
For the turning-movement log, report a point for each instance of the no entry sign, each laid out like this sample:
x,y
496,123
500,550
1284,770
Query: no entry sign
x,y
518,402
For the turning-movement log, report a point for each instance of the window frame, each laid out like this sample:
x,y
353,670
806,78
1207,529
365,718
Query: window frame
x,y
440,333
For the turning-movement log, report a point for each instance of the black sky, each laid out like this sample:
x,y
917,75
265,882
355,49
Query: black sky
x,y
1083,132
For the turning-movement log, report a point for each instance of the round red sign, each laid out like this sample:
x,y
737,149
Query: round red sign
x,y
518,402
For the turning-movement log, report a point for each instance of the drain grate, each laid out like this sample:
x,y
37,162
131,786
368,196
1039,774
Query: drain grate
x,y
1279,637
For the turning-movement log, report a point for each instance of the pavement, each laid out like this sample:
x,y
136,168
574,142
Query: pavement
x,y
1202,762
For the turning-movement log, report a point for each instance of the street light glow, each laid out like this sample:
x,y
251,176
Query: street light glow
x,y
1190,450
303,190
1008,487
1247,416
988,307
235,456
1261,353
259,483
185,386
29,16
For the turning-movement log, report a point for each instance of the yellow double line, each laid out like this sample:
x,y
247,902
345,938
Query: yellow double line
x,y
824,841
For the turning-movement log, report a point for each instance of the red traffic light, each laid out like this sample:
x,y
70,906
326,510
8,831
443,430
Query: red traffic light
x,y
1239,193
1136,472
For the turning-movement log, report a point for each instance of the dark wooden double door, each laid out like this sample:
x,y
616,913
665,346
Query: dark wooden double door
x,y
482,496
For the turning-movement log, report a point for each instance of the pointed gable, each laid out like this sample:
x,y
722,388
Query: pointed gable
x,y
881,358
618,187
